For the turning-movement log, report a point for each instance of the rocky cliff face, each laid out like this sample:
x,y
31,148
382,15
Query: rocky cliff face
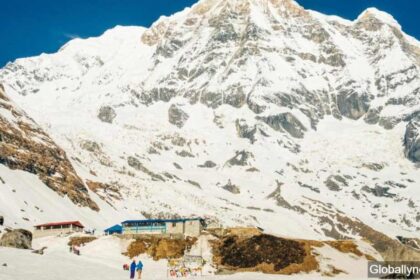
x,y
230,52
25,146
412,139
251,112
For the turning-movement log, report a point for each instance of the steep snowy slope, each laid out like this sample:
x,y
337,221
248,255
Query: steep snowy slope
x,y
26,147
37,181
250,112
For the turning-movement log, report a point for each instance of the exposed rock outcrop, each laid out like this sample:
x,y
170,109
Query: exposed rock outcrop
x,y
194,183
90,146
177,116
332,184
40,251
177,166
390,249
379,191
374,166
136,164
413,243
245,131
184,154
373,115
282,202
335,182
104,190
351,104
232,188
208,164
241,159
412,140
107,114
287,122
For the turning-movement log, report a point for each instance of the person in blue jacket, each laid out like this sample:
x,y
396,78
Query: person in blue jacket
x,y
139,269
133,269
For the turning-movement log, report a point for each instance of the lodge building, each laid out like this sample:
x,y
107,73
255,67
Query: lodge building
x,y
187,227
54,229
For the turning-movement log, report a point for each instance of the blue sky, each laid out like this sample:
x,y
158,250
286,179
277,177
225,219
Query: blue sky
x,y
30,27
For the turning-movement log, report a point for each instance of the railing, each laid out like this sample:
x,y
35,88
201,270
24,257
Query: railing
x,y
143,229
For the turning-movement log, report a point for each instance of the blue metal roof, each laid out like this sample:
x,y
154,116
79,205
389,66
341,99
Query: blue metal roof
x,y
163,220
115,228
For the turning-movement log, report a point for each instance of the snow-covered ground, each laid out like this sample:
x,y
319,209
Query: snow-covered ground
x,y
102,260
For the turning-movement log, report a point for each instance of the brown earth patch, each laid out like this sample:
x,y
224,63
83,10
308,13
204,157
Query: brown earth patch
x,y
239,231
160,247
309,263
243,231
80,240
265,253
348,246
270,254
345,247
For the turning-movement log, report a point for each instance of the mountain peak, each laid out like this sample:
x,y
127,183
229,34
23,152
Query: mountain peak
x,y
381,16
214,7
216,13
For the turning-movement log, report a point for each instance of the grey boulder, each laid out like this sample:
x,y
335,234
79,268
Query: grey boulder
x,y
18,238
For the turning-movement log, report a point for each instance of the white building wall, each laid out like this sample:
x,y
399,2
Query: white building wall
x,y
54,232
193,228
175,228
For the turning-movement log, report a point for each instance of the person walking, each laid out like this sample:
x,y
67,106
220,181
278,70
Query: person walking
x,y
133,269
139,269
76,250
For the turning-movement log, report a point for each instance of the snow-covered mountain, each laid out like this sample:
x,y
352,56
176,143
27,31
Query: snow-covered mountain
x,y
249,112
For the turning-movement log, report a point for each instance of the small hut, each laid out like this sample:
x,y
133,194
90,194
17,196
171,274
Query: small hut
x,y
116,229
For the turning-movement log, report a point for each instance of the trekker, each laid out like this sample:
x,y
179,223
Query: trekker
x,y
76,250
133,269
139,269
